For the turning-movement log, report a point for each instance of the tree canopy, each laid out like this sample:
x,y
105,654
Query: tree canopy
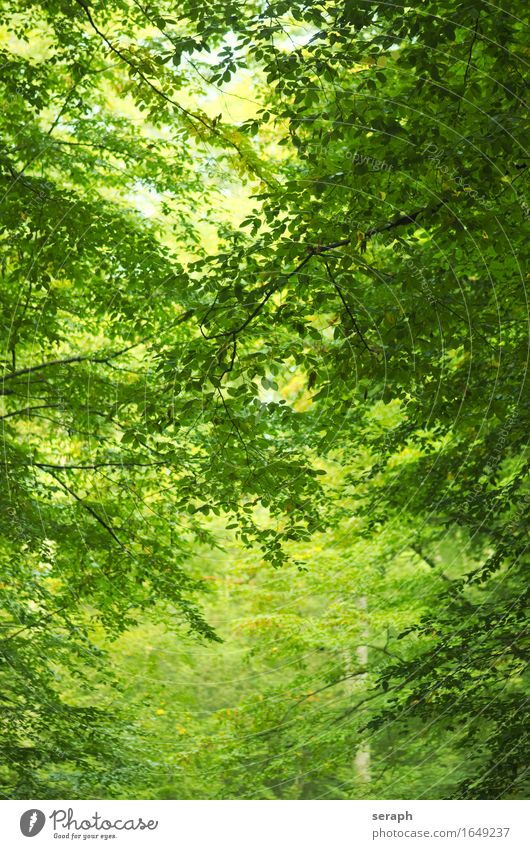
x,y
263,294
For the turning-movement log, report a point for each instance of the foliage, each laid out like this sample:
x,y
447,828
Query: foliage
x,y
299,324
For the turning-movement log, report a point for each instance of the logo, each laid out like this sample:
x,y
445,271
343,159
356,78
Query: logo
x,y
31,822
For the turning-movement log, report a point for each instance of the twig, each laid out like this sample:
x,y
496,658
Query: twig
x,y
78,358
268,295
320,690
33,624
92,466
110,530
89,357
29,410
347,308
193,119
470,55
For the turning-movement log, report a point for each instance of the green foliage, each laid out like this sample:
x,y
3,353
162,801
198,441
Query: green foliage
x,y
305,323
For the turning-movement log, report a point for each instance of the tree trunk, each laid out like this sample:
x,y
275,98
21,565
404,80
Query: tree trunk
x,y
361,762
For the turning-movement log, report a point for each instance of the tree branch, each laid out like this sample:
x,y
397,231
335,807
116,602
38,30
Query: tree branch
x,y
78,358
400,221
29,410
234,332
92,466
468,65
33,624
347,308
110,530
355,674
192,118
316,250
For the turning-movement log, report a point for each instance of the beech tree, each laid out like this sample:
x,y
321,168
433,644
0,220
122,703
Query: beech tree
x,y
313,312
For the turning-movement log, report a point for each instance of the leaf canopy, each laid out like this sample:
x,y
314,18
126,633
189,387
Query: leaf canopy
x,y
273,316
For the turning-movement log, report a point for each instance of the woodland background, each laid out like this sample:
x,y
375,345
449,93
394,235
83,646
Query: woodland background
x,y
264,399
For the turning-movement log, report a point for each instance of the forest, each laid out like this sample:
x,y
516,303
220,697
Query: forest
x,y
264,508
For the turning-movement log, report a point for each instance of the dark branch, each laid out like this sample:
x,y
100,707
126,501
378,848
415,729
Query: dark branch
x,y
78,358
347,308
316,250
400,221
468,65
91,466
110,530
193,119
29,410
256,311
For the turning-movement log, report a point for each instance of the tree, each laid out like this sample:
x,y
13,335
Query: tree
x,y
369,311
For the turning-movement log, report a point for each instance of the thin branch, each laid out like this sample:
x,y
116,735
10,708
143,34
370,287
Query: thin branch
x,y
110,530
347,308
230,365
316,250
470,55
192,118
299,701
87,358
119,464
29,410
33,624
370,698
386,651
234,423
430,562
63,108
256,311
78,358
473,329
400,221
320,249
